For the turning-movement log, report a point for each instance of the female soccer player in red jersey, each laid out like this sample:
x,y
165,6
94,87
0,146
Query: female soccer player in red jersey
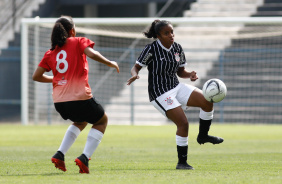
x,y
164,60
71,92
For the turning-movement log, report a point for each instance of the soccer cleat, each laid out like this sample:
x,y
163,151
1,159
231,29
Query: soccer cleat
x,y
59,161
184,166
82,163
209,138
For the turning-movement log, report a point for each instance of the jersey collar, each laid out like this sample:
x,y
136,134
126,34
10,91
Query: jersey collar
x,y
159,42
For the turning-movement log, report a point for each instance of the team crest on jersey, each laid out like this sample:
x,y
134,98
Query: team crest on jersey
x,y
169,101
177,57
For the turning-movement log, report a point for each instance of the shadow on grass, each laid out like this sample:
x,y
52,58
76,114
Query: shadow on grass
x,y
100,170
136,169
45,174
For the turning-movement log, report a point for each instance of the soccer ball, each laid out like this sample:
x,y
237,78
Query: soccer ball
x,y
214,90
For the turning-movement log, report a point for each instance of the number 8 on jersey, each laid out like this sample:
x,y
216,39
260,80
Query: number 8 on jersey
x,y
63,61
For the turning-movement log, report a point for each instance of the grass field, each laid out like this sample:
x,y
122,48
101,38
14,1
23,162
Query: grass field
x,y
144,154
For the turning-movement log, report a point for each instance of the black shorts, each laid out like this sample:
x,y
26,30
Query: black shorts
x,y
80,111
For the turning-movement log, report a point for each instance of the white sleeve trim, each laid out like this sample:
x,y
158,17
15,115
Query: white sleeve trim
x,y
140,64
183,65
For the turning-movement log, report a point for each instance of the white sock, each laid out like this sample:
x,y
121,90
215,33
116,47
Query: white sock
x,y
181,141
69,138
93,140
206,115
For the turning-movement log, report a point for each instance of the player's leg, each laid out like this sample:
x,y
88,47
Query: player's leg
x,y
169,106
99,119
178,117
70,136
206,115
94,138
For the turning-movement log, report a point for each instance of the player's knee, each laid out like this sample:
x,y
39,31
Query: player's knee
x,y
183,125
80,125
104,120
207,106
101,125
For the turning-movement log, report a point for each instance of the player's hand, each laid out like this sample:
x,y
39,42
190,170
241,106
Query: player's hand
x,y
193,76
132,79
114,64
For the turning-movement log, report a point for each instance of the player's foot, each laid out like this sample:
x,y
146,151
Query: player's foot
x,y
59,161
209,138
82,163
184,166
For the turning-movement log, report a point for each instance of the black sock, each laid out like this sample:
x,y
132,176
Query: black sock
x,y
182,153
61,153
204,127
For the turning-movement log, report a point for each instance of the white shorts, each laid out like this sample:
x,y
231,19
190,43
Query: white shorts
x,y
173,98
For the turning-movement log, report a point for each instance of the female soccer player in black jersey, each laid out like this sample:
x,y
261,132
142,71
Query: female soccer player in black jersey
x,y
165,61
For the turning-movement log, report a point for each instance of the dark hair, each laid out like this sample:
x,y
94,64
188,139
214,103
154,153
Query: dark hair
x,y
60,31
155,28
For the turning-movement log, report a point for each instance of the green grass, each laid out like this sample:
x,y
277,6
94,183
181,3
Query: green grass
x,y
144,154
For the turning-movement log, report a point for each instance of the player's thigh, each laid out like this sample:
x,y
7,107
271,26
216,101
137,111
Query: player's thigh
x,y
198,100
178,116
166,101
184,92
93,111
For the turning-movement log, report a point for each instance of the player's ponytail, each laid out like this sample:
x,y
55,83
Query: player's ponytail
x,y
151,33
155,28
61,31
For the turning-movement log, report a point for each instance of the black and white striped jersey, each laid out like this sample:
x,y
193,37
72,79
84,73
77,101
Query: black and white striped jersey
x,y
162,65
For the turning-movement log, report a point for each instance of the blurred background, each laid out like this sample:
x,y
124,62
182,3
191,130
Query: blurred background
x,y
246,55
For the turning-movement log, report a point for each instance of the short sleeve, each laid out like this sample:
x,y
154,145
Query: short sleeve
x,y
145,57
85,42
182,57
44,62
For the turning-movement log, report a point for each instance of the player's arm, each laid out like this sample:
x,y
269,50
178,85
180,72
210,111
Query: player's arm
x,y
134,73
39,75
95,55
181,72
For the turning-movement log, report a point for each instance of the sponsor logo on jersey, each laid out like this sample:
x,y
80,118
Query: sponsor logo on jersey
x,y
147,57
62,82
